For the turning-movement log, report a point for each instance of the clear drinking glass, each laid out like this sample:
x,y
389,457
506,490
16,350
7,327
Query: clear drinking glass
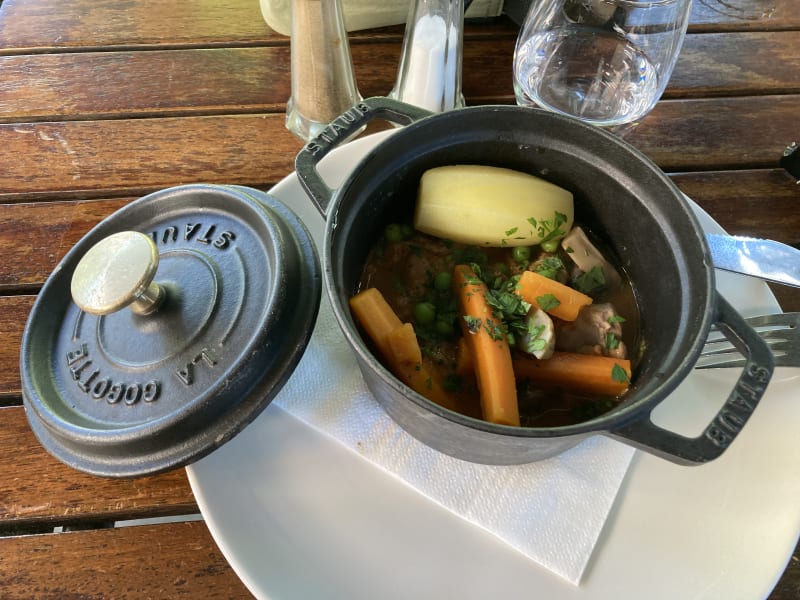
x,y
606,62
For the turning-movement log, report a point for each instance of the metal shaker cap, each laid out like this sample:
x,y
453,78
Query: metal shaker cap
x,y
168,328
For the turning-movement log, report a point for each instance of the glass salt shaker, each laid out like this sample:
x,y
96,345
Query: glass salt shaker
x,y
323,82
429,75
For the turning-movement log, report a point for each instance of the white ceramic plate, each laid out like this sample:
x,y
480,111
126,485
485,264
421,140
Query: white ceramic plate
x,y
299,516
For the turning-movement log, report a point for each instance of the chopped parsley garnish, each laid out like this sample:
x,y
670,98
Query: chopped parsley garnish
x,y
506,305
495,329
551,229
612,341
508,308
473,323
475,278
619,375
590,281
535,341
510,234
547,302
549,267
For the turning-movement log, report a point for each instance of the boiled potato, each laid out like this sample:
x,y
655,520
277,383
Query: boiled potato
x,y
491,206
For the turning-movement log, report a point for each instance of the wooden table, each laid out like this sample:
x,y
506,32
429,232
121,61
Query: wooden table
x,y
102,101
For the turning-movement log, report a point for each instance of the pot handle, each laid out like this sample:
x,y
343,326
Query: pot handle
x,y
733,415
339,131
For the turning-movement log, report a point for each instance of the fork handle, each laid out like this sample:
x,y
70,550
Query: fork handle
x,y
733,415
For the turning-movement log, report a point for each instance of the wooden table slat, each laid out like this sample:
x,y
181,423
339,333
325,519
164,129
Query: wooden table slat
x,y
61,158
122,563
256,80
51,24
57,494
743,202
763,203
57,226
739,15
152,83
47,25
143,154
735,63
718,133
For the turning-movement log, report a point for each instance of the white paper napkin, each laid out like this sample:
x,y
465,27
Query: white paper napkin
x,y
551,511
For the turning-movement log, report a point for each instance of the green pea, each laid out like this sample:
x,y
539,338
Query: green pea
x,y
521,254
443,281
444,327
425,313
393,233
406,230
551,245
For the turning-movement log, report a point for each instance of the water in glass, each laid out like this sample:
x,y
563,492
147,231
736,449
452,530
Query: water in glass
x,y
604,61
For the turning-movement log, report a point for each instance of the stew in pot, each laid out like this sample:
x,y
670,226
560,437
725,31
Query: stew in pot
x,y
526,320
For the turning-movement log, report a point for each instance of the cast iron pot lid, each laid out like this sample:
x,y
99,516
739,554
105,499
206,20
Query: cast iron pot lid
x,y
133,377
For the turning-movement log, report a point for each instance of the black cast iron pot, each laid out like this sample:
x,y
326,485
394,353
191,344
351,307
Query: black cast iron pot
x,y
618,192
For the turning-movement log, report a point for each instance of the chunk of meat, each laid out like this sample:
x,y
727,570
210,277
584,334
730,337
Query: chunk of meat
x,y
422,258
597,330
540,341
586,257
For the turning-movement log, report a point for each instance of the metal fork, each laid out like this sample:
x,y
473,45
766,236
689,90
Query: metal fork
x,y
780,331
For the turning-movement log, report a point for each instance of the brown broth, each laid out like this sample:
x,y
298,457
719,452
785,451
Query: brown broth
x,y
404,272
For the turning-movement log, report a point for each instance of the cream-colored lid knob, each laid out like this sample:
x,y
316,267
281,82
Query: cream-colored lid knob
x,y
117,272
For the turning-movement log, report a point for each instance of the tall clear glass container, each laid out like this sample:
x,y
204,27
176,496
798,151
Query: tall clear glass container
x,y
323,81
429,75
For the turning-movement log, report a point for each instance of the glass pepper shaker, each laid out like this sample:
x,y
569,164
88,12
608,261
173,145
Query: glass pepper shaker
x,y
429,75
323,82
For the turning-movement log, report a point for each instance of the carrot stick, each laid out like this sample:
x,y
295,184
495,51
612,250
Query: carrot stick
x,y
391,337
403,344
376,317
465,366
537,289
489,349
588,373
419,379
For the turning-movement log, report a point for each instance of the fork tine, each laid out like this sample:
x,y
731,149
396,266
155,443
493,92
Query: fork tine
x,y
717,347
781,332
774,335
782,327
788,319
720,363
724,349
